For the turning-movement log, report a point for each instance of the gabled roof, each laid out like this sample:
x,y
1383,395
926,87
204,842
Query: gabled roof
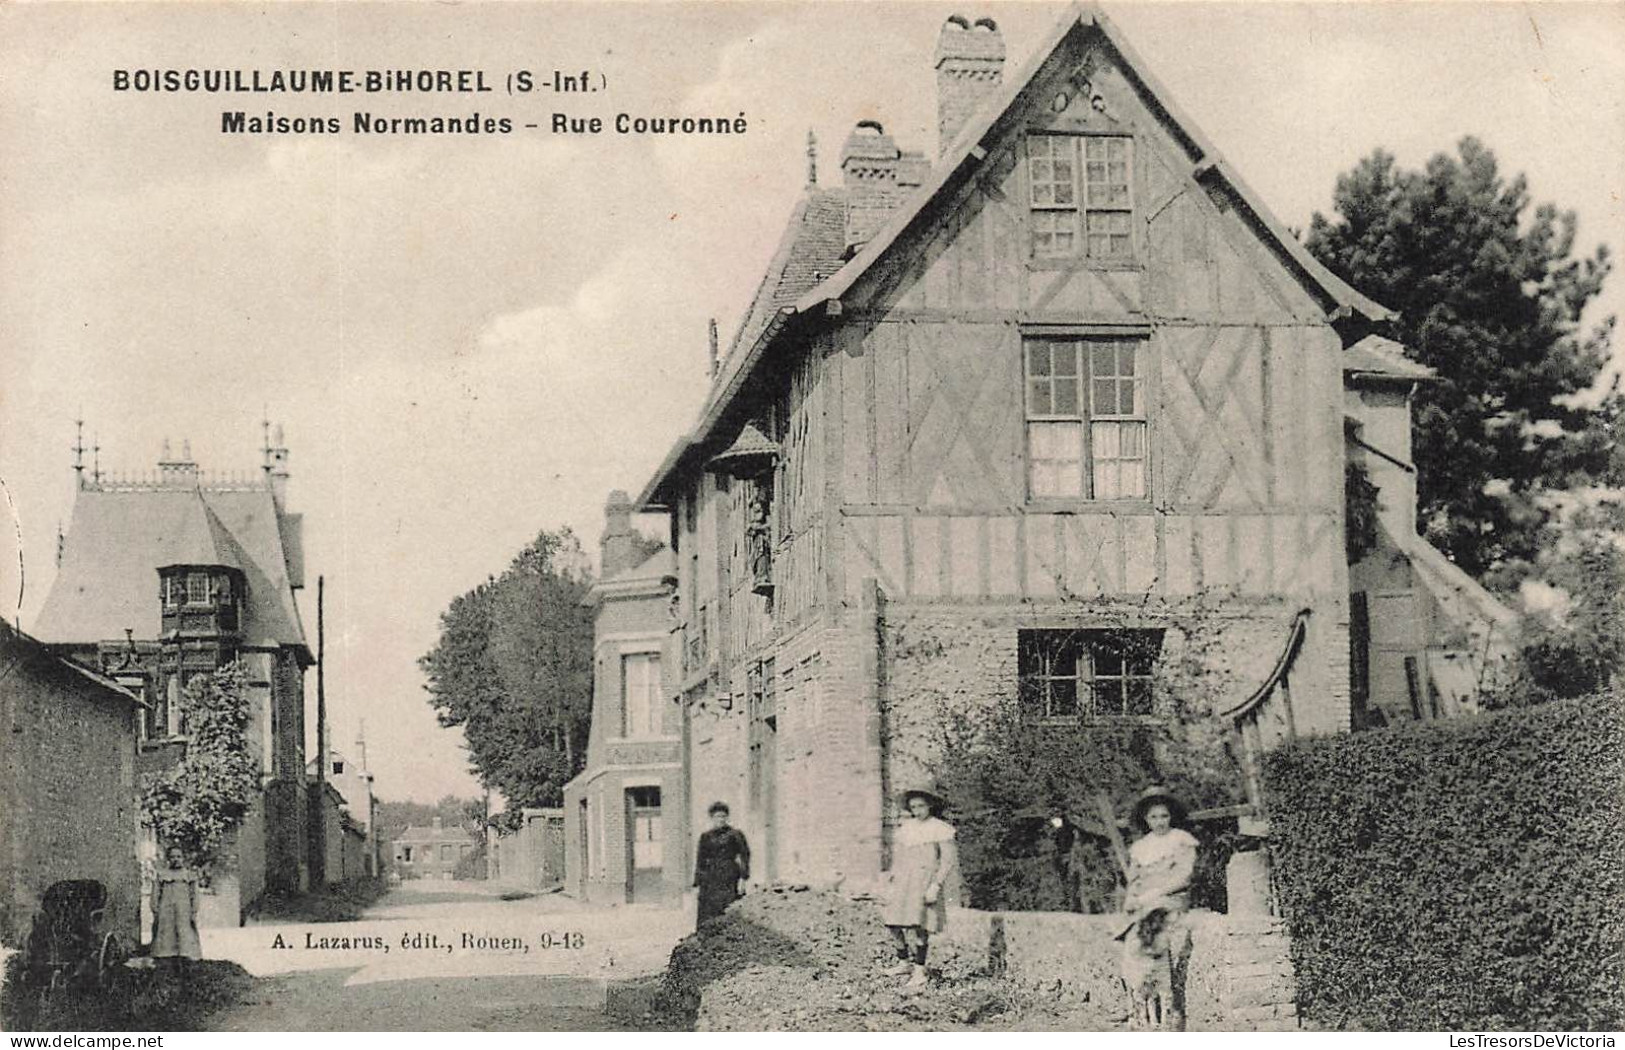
x,y
814,238
968,150
120,538
29,648
1376,358
809,251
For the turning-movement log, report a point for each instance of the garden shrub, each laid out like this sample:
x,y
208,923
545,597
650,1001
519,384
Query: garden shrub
x,y
1007,776
1466,874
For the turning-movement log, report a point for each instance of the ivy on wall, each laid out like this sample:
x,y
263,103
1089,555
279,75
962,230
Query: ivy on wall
x,y
194,804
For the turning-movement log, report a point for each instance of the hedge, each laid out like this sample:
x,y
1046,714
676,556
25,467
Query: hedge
x,y
1458,875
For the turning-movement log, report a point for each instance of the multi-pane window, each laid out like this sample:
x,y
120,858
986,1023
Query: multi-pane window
x,y
1086,423
197,588
640,695
1080,191
1068,675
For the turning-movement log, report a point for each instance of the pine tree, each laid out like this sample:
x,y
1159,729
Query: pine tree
x,y
1490,296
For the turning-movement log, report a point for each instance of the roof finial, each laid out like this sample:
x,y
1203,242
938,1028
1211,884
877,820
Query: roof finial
x,y
812,158
96,470
715,362
79,448
265,446
61,542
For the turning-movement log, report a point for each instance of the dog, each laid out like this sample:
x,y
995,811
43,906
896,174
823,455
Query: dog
x,y
1147,967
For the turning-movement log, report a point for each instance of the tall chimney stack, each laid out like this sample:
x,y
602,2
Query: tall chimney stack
x,y
616,545
869,165
970,67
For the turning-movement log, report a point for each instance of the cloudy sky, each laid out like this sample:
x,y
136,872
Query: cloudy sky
x,y
469,339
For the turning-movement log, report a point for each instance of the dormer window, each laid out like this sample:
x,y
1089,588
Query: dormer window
x,y
197,588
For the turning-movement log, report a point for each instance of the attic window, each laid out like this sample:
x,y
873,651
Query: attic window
x,y
197,588
1080,189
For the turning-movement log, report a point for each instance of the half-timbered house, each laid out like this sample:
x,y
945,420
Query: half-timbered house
x,y
1008,422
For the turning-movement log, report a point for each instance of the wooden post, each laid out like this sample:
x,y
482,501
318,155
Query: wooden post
x,y
1109,819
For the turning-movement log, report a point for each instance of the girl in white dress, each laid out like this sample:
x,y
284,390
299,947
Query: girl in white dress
x,y
923,878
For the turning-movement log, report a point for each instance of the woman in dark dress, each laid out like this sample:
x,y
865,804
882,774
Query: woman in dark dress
x,y
723,862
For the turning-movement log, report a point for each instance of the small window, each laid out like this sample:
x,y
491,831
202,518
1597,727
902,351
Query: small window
x,y
1069,676
448,852
172,709
1080,190
406,854
338,767
197,588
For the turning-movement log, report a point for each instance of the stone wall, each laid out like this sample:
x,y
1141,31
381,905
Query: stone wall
x,y
1239,977
67,789
951,660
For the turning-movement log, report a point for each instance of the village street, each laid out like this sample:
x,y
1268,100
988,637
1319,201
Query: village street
x,y
459,959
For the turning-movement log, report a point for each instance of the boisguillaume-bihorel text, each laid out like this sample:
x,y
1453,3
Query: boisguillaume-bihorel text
x,y
516,84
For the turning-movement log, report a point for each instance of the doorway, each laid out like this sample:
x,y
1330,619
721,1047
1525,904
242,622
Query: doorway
x,y
645,846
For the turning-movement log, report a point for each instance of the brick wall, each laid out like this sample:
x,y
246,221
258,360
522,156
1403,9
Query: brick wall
x,y
861,699
67,790
286,838
1217,649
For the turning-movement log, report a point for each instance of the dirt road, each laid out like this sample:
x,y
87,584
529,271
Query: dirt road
x,y
446,956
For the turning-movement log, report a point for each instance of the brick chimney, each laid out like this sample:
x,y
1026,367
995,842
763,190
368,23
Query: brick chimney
x,y
615,546
177,472
970,67
870,164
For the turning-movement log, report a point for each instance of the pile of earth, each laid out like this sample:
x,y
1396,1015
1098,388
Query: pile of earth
x,y
793,959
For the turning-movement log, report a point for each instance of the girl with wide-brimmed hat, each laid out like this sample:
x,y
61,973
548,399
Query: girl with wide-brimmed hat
x,y
1161,863
923,881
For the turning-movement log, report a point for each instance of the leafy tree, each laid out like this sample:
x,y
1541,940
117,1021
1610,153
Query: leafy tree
x,y
513,668
1573,638
194,804
1490,296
